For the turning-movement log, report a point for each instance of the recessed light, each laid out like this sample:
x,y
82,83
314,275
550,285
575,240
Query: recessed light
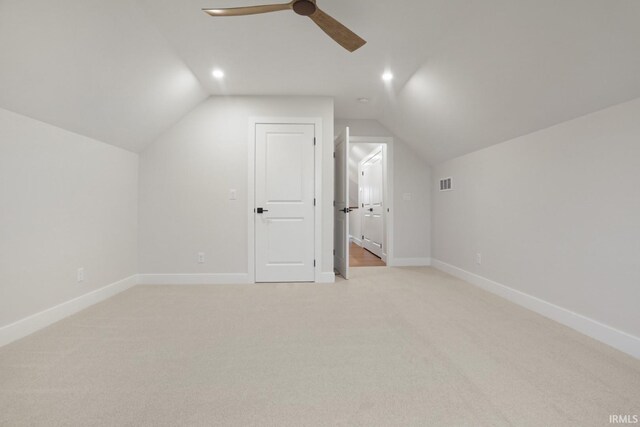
x,y
363,100
217,73
387,76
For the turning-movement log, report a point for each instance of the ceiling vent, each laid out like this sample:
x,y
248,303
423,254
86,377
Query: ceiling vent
x,y
445,184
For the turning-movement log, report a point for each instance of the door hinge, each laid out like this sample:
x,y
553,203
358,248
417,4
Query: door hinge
x,y
334,203
334,154
314,140
334,252
314,262
362,173
314,202
362,237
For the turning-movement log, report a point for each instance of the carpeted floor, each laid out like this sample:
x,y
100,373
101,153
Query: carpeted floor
x,y
389,347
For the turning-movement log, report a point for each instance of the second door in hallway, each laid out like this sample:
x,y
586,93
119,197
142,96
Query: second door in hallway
x,y
371,183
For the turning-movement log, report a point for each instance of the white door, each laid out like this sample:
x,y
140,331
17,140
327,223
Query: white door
x,y
284,209
372,206
341,210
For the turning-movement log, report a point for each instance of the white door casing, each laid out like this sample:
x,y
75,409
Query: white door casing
x,y
285,192
341,209
372,206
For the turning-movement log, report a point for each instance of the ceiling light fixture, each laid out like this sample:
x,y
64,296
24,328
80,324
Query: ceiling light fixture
x,y
387,76
217,73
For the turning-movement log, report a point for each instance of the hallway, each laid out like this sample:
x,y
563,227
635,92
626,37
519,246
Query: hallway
x,y
360,257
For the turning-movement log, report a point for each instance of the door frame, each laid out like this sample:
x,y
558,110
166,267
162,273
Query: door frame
x,y
388,172
251,189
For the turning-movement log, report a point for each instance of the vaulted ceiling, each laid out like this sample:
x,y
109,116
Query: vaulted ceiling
x,y
468,73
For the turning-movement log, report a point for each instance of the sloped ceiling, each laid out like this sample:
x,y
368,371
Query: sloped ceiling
x,y
97,68
469,73
514,67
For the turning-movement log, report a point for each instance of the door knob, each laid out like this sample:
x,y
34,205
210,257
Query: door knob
x,y
370,209
261,210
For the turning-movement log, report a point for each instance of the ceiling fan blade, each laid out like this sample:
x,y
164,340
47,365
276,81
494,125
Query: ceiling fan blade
x,y
248,10
341,34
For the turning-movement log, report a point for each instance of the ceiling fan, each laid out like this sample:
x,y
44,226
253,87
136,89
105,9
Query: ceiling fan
x,y
341,34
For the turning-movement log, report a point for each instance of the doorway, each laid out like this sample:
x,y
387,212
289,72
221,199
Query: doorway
x,y
363,213
368,219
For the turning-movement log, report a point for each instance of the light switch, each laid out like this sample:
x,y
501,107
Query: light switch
x,y
233,195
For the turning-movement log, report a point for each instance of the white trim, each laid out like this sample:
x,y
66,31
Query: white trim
x,y
326,277
35,322
411,262
210,279
319,200
615,338
194,279
251,191
355,240
372,139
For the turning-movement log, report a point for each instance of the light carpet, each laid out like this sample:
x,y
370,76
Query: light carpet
x,y
390,347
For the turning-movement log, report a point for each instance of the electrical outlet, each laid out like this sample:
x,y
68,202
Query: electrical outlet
x,y
80,275
200,257
478,258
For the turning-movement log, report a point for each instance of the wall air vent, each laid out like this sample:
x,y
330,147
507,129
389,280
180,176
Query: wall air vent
x,y
445,184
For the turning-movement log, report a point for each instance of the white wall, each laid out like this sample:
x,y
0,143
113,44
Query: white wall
x,y
103,71
555,215
412,177
66,201
412,194
186,175
361,127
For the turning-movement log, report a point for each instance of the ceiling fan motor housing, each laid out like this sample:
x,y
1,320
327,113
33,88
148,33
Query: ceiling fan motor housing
x,y
304,7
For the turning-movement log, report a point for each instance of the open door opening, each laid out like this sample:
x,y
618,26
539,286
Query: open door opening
x,y
368,192
363,202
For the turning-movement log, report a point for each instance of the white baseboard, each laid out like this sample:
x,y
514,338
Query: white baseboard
x,y
35,322
194,279
410,262
355,240
326,278
211,279
620,340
